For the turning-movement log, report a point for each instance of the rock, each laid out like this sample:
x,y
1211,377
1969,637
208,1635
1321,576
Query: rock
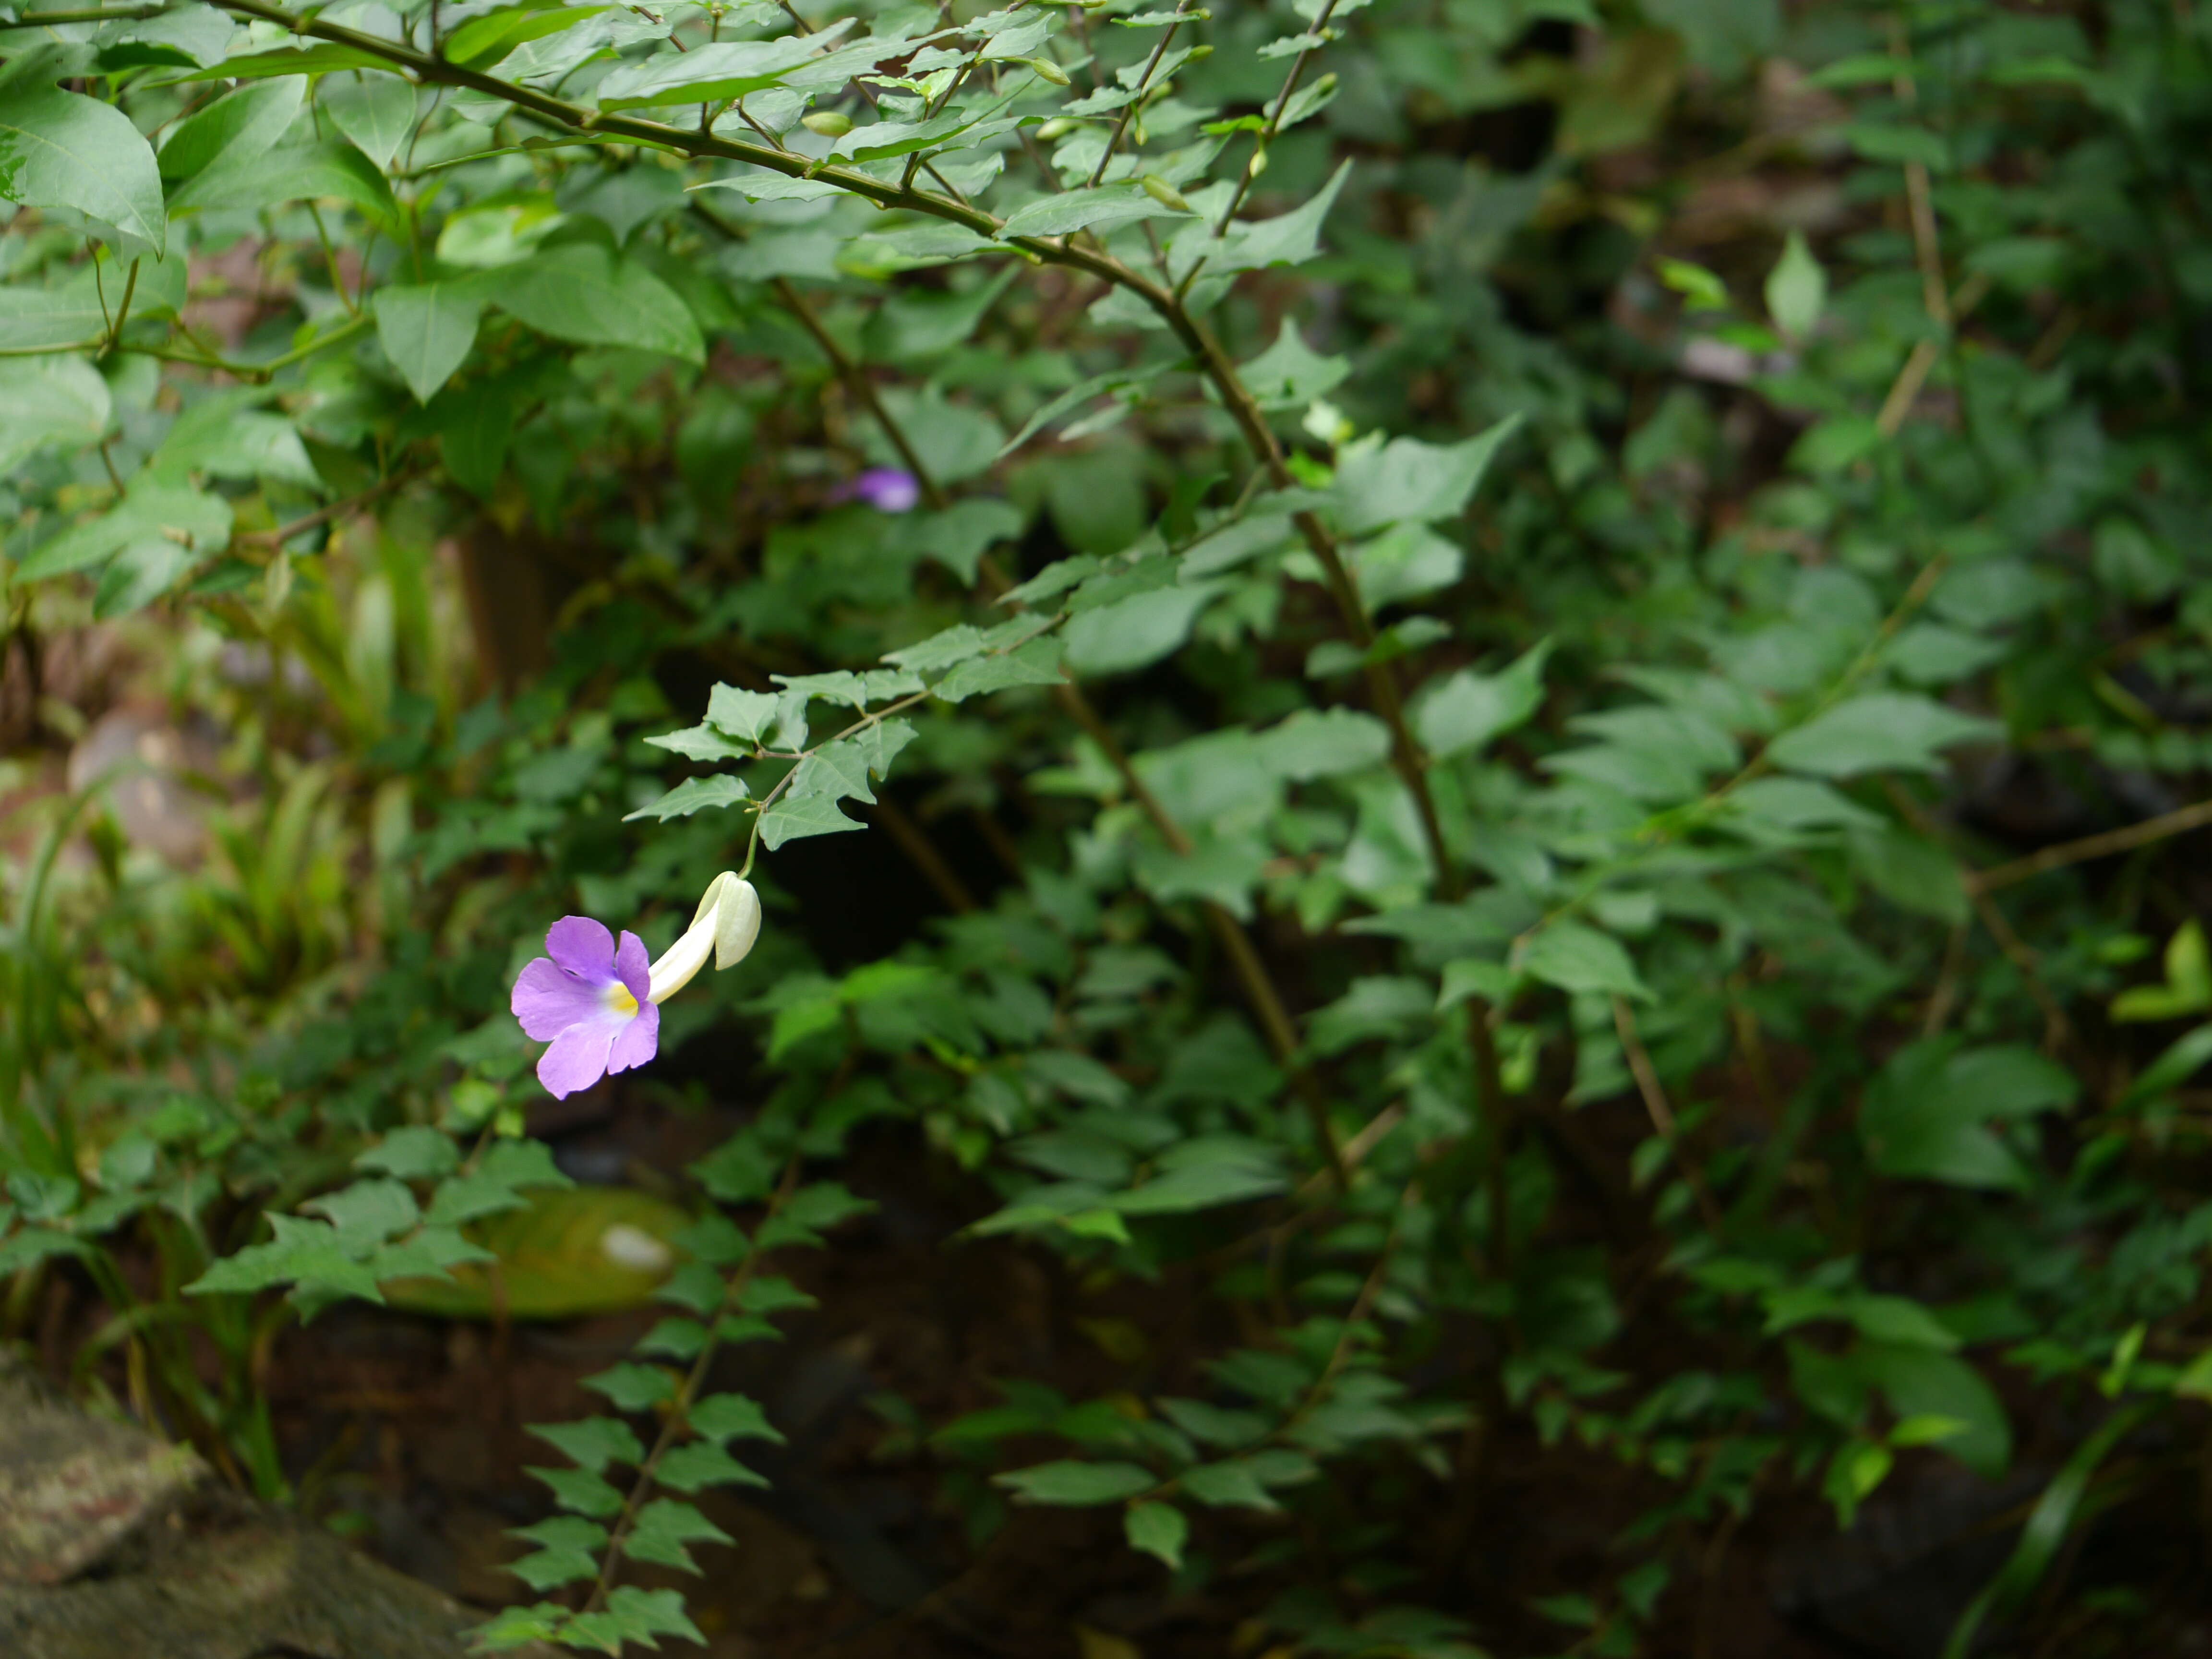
x,y
73,1488
145,762
113,1545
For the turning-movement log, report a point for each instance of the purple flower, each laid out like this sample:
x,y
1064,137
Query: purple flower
x,y
591,998
885,488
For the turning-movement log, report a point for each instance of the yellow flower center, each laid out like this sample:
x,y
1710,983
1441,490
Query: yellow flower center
x,y
620,999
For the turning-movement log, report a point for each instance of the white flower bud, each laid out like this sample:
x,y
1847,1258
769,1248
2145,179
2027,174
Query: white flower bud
x,y
726,923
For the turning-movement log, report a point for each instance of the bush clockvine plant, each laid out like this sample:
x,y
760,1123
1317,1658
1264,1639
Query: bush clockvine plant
x,y
1478,947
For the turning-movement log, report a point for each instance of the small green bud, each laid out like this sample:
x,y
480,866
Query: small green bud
x,y
1199,52
1049,70
1059,127
1164,192
1259,162
1327,84
827,122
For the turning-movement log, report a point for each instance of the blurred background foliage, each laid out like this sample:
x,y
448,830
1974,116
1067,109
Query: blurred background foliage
x,y
1717,1168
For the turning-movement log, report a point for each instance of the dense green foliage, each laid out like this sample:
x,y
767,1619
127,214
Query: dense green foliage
x,y
1513,585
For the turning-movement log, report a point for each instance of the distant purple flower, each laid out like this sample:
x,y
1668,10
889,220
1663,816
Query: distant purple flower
x,y
591,1000
885,488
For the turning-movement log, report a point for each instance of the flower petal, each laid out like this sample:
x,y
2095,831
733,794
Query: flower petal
x,y
548,1001
634,968
583,947
578,1058
639,1040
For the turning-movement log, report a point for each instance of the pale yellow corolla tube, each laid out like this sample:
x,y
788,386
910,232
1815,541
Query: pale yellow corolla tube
x,y
726,923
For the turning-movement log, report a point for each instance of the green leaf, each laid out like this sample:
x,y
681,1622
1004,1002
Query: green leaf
x,y
225,435
724,1417
1375,1004
518,1627
1158,1530
2188,987
594,1442
1122,382
50,402
63,149
292,60
702,1464
1925,1115
1215,1426
306,1255
958,537
1290,238
746,715
1581,960
702,742
240,124
759,184
837,770
2048,1524
662,1530
427,330
1469,709
585,295
1133,633
793,818
1702,288
1324,743
1036,663
1071,1482
320,169
1911,872
1289,374
692,794
633,1388
495,1184
483,41
1796,288
881,743
569,1548
1232,1485
679,1339
366,1214
34,319
579,1491
719,70
1780,808
1881,141
377,112
1922,1382
842,686
1879,732
1409,481
1104,210
412,1153
639,1615
150,514
881,140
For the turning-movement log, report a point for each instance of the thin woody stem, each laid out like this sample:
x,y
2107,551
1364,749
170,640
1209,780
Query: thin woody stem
x,y
1056,250
1662,1114
2103,845
856,379
1251,973
930,112
1137,94
1274,121
1382,679
1244,959
679,1414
